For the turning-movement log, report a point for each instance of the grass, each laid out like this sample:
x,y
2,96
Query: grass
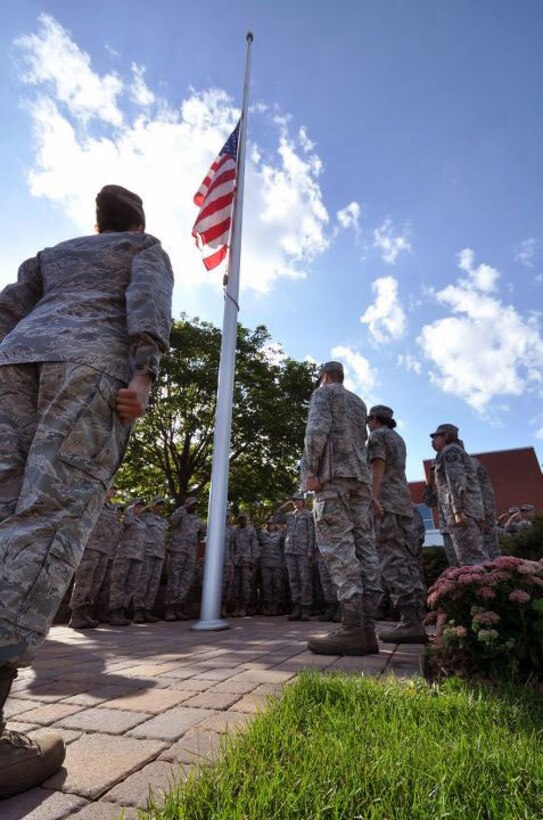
x,y
355,747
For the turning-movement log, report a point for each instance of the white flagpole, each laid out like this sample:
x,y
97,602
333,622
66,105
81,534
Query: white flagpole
x,y
210,614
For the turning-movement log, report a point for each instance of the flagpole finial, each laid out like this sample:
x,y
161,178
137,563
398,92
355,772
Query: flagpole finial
x,y
250,37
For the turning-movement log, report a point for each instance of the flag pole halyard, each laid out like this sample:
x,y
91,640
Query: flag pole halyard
x,y
210,613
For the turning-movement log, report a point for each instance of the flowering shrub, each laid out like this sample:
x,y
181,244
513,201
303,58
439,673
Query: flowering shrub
x,y
489,619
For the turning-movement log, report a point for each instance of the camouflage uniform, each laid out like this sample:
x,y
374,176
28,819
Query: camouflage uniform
x,y
228,568
329,590
490,535
153,559
90,574
83,317
335,454
431,500
394,530
183,550
126,569
299,547
101,609
458,491
244,555
271,568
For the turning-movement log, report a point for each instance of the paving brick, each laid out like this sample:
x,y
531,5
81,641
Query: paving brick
x,y
40,804
265,676
153,702
14,707
197,746
219,674
49,713
251,704
51,691
213,700
184,672
108,721
160,777
170,725
95,763
235,687
68,735
226,721
190,684
106,811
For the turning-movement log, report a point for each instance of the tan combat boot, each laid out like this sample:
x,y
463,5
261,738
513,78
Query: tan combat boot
x,y
409,630
352,638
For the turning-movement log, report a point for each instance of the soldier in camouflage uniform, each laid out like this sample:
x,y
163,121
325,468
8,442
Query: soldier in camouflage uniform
x,y
82,331
393,511
431,500
181,571
228,569
126,569
459,496
335,468
153,559
490,531
89,575
299,548
101,608
272,544
329,590
244,556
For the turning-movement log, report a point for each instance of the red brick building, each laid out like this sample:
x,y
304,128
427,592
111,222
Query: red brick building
x,y
515,475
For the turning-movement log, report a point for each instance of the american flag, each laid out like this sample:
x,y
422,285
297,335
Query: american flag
x,y
215,198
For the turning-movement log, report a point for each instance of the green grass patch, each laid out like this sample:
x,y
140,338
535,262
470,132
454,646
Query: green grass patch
x,y
347,746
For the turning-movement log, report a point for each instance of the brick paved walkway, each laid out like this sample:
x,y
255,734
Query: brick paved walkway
x,y
139,705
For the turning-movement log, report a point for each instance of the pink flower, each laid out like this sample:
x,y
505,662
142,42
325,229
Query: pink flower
x,y
507,562
487,635
486,593
531,579
495,577
520,596
471,579
459,631
529,567
486,618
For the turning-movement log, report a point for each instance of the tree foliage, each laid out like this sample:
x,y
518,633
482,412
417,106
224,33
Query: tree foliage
x,y
171,447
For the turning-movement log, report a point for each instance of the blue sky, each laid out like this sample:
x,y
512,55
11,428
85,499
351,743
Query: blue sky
x,y
393,213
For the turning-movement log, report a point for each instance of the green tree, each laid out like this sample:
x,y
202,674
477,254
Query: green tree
x,y
171,447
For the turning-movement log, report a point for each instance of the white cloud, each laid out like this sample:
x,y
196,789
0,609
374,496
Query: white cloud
x,y
410,363
163,153
487,349
349,217
390,242
53,60
307,144
385,318
539,433
527,252
360,377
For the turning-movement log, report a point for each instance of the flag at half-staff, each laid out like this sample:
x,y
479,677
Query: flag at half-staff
x,y
215,198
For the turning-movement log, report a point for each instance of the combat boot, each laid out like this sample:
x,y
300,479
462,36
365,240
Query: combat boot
x,y
328,614
116,618
149,618
93,623
169,614
352,638
296,613
25,762
409,630
78,619
180,614
139,617
306,613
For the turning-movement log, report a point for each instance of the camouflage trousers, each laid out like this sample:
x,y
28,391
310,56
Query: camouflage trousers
x,y
125,577
242,587
399,565
449,549
61,443
344,530
227,582
491,544
101,607
468,544
149,582
300,578
329,591
181,572
89,577
272,586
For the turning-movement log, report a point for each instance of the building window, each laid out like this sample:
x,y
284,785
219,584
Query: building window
x,y
427,516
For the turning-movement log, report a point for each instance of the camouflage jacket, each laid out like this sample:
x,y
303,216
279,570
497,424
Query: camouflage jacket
x,y
187,529
106,532
335,436
419,530
133,538
244,546
157,531
300,533
101,300
456,484
228,535
271,548
385,444
487,492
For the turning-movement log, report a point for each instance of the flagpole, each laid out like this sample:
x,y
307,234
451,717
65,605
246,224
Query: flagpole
x,y
210,614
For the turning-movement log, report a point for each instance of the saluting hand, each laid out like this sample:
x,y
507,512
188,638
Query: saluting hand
x,y
132,401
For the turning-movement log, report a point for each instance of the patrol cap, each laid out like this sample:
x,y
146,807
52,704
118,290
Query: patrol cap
x,y
113,199
298,497
512,510
191,501
156,501
527,508
445,428
383,412
330,367
137,502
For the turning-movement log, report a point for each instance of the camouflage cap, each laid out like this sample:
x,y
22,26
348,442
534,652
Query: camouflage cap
x,y
156,501
190,501
298,497
527,508
137,502
381,410
445,428
330,367
115,196
512,510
